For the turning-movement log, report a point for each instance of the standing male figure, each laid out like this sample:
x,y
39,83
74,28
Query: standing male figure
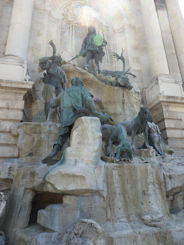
x,y
54,78
92,48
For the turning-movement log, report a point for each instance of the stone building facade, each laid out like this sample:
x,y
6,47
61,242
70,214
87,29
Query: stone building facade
x,y
150,32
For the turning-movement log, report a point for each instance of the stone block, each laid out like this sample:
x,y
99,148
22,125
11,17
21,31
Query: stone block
x,y
165,98
135,190
11,111
8,151
75,178
12,69
36,139
176,202
175,133
59,217
8,169
146,153
93,207
80,169
8,139
163,85
85,231
85,141
6,126
6,114
11,104
174,178
176,143
36,235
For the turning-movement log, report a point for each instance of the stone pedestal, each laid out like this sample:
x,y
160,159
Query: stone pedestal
x,y
165,98
11,112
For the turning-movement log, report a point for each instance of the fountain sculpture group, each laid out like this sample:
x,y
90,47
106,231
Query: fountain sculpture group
x,y
92,189
76,101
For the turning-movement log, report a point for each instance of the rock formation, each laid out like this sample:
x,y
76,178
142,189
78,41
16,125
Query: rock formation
x,y
83,200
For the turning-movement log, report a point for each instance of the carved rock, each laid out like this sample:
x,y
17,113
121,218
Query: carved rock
x,y
84,232
85,141
146,154
80,169
35,235
59,217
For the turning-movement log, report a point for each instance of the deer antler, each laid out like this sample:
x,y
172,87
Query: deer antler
x,y
117,56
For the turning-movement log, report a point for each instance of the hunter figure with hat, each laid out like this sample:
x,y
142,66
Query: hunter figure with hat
x,y
92,48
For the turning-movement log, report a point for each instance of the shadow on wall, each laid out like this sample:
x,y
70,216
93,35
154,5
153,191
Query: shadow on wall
x,y
41,201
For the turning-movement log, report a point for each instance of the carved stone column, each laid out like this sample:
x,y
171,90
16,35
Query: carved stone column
x,y
13,68
177,28
168,39
153,36
18,37
13,64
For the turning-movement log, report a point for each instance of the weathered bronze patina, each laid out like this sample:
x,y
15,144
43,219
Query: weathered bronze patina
x,y
116,134
121,77
74,102
54,78
92,48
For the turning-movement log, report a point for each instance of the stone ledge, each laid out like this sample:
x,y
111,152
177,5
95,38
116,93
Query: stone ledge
x,y
166,99
18,85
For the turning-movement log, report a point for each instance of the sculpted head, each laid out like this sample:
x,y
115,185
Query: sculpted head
x,y
145,114
77,81
91,30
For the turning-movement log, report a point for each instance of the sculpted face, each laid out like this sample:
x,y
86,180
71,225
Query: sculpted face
x,y
91,30
146,114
